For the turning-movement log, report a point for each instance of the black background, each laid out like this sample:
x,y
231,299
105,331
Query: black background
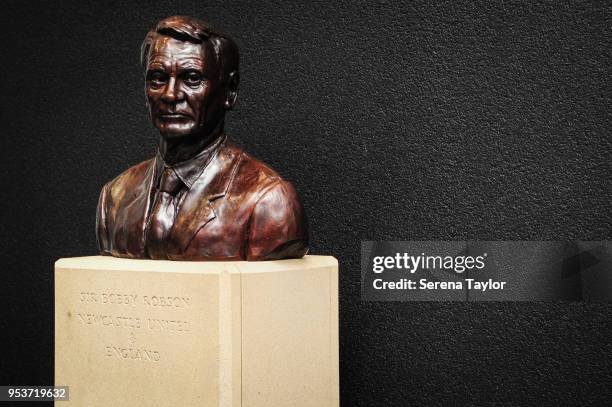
x,y
425,120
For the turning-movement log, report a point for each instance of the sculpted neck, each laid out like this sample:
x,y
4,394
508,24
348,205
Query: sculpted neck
x,y
175,151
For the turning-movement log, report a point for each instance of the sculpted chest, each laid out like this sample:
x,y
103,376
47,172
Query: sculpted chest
x,y
212,218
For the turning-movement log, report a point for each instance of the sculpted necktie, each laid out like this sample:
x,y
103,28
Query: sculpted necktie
x,y
162,215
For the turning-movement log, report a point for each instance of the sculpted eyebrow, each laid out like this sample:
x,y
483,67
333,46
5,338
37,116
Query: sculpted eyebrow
x,y
156,65
197,67
196,61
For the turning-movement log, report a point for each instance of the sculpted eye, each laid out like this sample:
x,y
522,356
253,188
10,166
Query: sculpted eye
x,y
193,79
157,78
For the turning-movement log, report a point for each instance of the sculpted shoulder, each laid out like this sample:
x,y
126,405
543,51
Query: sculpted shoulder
x,y
251,174
277,224
129,181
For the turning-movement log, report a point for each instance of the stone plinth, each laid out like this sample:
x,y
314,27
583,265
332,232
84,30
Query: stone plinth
x,y
163,333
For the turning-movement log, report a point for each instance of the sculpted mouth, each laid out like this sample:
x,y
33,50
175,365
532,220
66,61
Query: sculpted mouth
x,y
174,116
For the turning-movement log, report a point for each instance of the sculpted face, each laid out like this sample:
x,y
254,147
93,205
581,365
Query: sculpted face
x,y
183,88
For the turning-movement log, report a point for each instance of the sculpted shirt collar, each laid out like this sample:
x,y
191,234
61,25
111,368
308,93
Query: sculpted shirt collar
x,y
190,170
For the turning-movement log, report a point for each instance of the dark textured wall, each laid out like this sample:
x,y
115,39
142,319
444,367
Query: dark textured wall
x,y
426,120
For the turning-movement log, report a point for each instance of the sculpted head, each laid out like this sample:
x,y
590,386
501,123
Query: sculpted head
x,y
192,77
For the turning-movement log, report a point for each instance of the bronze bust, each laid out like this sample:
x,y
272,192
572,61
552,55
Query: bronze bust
x,y
201,197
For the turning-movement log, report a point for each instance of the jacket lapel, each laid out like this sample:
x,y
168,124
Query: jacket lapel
x,y
133,217
196,208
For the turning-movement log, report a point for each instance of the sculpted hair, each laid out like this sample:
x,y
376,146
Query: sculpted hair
x,y
192,30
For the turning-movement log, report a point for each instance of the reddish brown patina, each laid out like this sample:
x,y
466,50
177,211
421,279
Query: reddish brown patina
x,y
201,197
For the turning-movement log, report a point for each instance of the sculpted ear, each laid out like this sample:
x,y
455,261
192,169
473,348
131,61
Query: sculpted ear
x,y
232,89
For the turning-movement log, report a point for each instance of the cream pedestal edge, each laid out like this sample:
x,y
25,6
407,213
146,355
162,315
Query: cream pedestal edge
x,y
161,333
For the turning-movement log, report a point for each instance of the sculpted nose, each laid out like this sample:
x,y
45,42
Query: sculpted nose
x,y
172,93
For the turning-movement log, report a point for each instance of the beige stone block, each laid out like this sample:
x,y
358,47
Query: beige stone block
x,y
164,333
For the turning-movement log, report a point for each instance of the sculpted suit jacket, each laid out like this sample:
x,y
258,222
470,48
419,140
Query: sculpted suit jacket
x,y
237,209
